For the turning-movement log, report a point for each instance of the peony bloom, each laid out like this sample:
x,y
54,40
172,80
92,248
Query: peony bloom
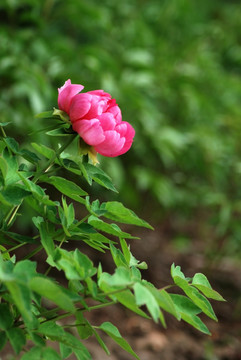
x,y
97,119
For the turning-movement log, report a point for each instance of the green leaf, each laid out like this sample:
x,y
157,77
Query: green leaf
x,y
22,298
3,339
56,333
126,251
37,191
5,123
29,155
46,238
13,194
101,342
196,297
125,297
17,339
83,326
12,144
185,305
164,300
6,317
41,353
112,229
47,288
188,311
20,238
45,115
3,167
76,265
118,257
144,297
176,271
201,282
99,176
11,176
44,150
196,322
60,131
118,212
120,279
66,187
65,351
114,333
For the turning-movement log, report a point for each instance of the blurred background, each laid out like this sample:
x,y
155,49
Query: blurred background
x,y
174,67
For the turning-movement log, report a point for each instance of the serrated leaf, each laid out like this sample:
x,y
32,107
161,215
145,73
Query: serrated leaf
x,y
50,290
118,212
114,333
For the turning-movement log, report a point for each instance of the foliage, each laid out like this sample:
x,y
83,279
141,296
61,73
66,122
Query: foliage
x,y
33,303
177,66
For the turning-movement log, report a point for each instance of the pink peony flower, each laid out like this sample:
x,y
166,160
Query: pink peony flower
x,y
97,119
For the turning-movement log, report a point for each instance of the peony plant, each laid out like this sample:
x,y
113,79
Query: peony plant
x,y
33,303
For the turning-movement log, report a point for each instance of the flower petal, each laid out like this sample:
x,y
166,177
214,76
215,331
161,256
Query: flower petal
x,y
66,94
112,144
79,107
90,131
107,121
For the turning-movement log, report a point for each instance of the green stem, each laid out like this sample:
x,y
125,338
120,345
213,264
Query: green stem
x,y
34,252
62,316
14,248
4,134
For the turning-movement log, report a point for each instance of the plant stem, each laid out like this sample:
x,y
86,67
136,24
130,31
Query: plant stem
x,y
34,252
4,134
14,248
62,316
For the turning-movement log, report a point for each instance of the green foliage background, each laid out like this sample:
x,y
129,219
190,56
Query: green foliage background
x,y
174,67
